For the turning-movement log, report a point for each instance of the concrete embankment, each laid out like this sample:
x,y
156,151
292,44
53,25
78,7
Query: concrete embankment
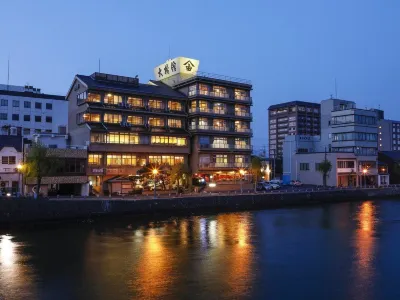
x,y
30,210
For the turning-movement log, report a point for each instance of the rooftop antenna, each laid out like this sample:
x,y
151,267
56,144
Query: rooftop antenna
x,y
99,65
336,89
8,73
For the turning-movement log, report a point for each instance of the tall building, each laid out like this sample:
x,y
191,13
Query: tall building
x,y
25,110
291,118
219,120
389,135
126,124
349,140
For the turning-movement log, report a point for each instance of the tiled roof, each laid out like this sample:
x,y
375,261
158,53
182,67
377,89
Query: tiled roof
x,y
157,88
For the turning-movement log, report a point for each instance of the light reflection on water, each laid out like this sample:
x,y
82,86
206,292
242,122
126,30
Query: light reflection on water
x,y
325,252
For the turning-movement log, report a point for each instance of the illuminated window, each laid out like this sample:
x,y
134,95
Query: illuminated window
x,y
95,159
220,142
174,105
176,123
135,102
219,91
221,159
219,108
203,105
114,160
122,138
203,121
203,88
91,97
156,104
97,137
112,118
169,140
165,159
112,99
240,94
156,122
193,104
91,117
128,160
136,120
220,124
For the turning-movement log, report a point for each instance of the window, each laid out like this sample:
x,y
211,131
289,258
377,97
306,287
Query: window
x,y
49,119
243,143
121,159
219,108
3,116
15,117
203,105
176,123
135,102
219,91
128,160
112,118
27,104
156,104
156,122
112,99
136,120
166,159
115,138
38,118
62,129
192,90
169,140
203,88
175,105
4,102
27,118
8,160
88,117
114,160
26,131
304,167
272,121
15,103
38,105
220,142
240,94
49,106
219,124
220,159
92,97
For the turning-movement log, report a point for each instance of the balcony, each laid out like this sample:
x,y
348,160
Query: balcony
x,y
209,128
244,130
217,165
207,111
247,100
243,114
224,146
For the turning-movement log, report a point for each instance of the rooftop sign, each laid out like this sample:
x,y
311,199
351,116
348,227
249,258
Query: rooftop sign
x,y
179,65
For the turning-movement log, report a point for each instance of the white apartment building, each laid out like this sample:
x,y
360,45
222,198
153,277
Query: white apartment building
x,y
10,157
24,110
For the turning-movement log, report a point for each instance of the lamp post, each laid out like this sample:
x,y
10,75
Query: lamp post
x,y
365,177
241,172
19,168
155,172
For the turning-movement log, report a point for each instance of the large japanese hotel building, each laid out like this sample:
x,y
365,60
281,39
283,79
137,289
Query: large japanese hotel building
x,y
182,116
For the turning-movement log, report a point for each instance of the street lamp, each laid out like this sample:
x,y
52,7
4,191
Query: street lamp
x,y
19,168
241,172
365,178
155,172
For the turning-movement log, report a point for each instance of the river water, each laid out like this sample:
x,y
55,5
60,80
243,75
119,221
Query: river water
x,y
337,251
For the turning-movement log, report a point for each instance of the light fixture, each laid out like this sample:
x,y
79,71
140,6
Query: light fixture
x,y
155,171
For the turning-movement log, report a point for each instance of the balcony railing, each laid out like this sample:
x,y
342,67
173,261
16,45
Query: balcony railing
x,y
242,98
225,146
219,128
220,95
214,165
243,114
244,130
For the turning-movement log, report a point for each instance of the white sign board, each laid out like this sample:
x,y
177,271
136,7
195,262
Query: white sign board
x,y
179,65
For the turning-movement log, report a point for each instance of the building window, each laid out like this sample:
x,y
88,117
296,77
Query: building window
x,y
176,123
49,119
166,159
114,160
26,131
220,159
112,118
203,105
15,117
156,104
128,160
304,167
219,91
175,105
15,103
135,120
203,88
240,94
95,159
8,160
3,116
38,105
219,124
135,102
4,102
38,118
49,106
219,108
112,99
27,118
168,140
156,122
27,104
89,117
115,138
192,90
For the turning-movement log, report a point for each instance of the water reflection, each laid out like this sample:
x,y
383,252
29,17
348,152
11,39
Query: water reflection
x,y
7,248
364,243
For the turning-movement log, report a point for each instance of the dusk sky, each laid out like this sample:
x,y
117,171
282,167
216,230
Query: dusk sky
x,y
289,49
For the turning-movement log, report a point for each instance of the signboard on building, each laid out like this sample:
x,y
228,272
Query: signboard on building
x,y
179,65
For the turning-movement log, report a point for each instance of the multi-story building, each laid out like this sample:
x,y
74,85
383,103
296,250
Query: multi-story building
x,y
25,110
126,124
389,135
349,139
219,120
11,156
291,118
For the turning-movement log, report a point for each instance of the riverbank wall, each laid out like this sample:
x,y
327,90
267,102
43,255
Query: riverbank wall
x,y
22,210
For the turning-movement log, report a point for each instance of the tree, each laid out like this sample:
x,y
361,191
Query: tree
x,y
256,168
324,168
6,128
178,172
39,163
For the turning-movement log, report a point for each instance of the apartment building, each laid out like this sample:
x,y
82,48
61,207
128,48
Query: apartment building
x,y
125,125
11,157
25,110
389,135
219,121
291,118
349,139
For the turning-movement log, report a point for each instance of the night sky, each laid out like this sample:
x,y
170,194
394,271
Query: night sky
x,y
289,49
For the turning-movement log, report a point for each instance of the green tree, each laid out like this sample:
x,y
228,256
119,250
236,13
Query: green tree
x,y
324,168
39,163
178,173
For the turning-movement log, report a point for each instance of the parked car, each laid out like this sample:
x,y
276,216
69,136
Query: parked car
x,y
276,181
274,186
296,183
265,186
